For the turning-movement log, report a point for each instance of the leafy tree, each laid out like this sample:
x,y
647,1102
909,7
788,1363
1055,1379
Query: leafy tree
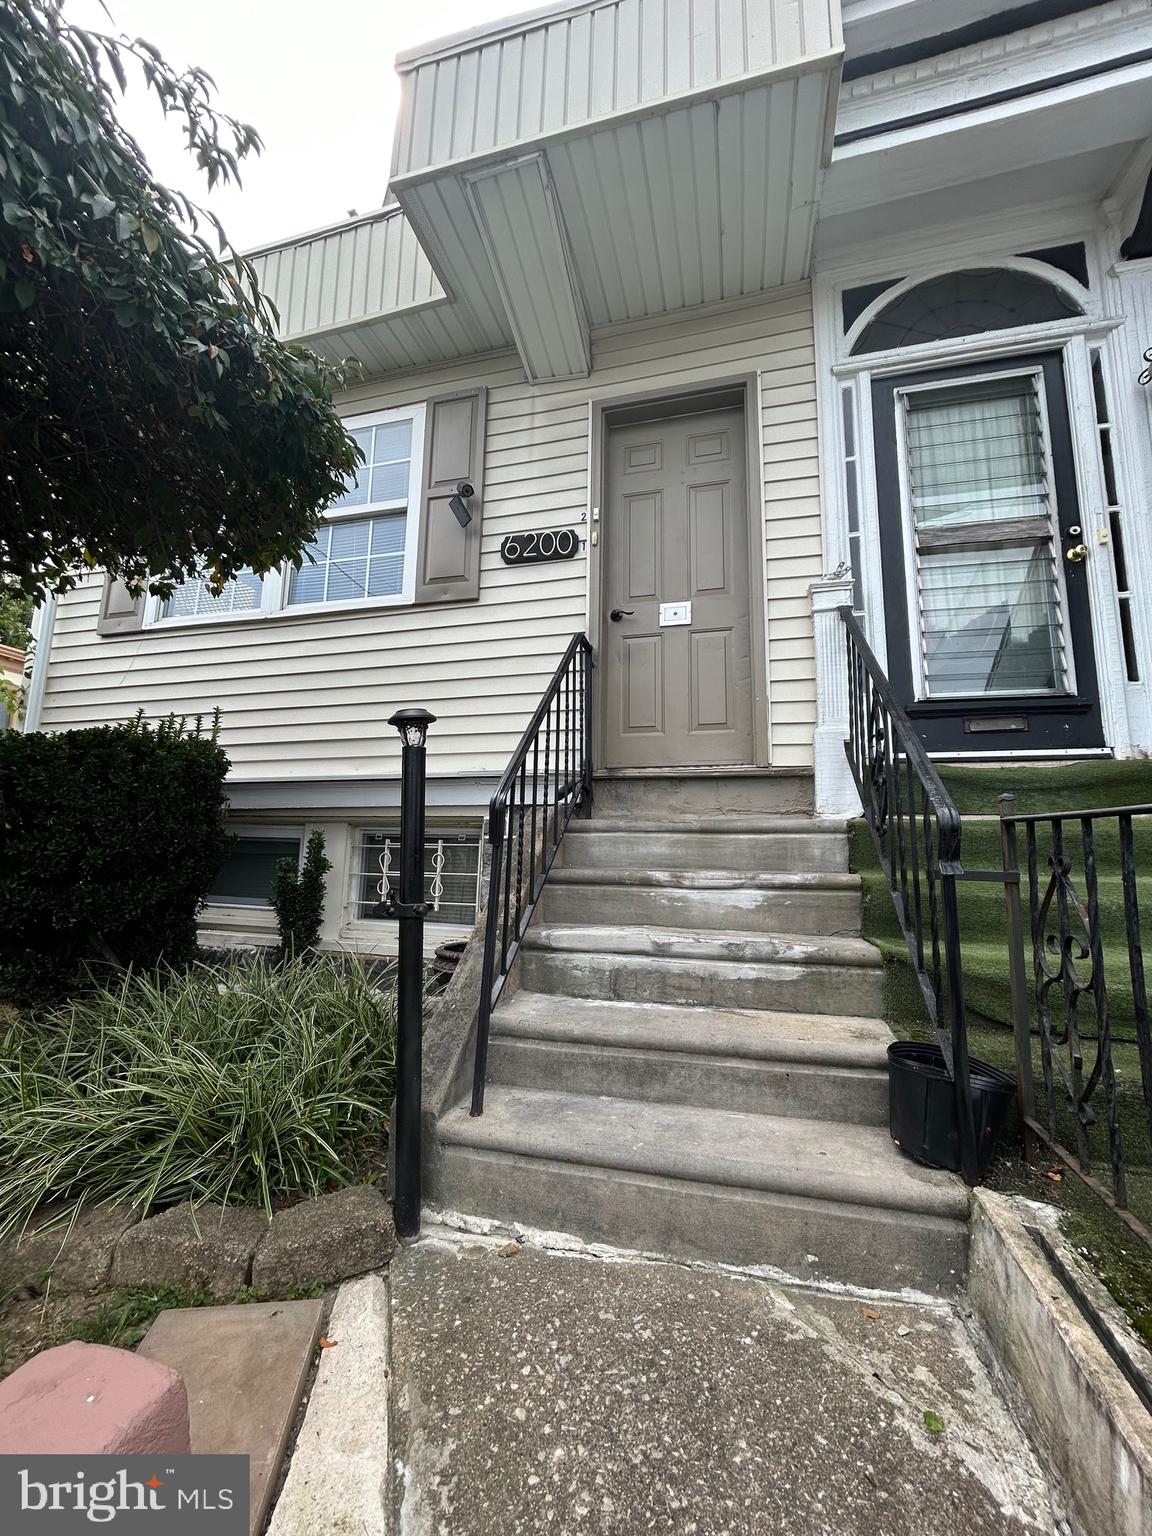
x,y
150,421
298,899
15,616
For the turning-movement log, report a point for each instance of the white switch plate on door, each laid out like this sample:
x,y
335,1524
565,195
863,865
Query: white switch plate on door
x,y
675,613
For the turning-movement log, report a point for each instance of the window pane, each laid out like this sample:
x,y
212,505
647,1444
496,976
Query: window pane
x,y
349,538
344,571
451,866
976,455
393,440
193,599
307,584
347,579
385,577
991,622
390,482
388,534
246,875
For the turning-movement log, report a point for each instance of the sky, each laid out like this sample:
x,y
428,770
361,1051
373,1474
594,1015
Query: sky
x,y
315,80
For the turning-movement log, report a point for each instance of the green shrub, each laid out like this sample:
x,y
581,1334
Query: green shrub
x,y
298,899
249,1083
109,838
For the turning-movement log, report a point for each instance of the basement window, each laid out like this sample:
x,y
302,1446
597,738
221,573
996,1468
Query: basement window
x,y
245,878
452,865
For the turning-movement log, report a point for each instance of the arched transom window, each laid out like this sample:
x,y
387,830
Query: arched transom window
x,y
964,304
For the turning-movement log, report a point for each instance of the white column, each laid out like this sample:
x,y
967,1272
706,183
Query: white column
x,y
835,792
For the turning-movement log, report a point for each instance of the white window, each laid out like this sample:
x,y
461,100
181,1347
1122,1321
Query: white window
x,y
451,871
366,551
364,554
245,878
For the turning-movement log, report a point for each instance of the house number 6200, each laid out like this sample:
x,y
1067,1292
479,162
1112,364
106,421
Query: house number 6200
x,y
528,548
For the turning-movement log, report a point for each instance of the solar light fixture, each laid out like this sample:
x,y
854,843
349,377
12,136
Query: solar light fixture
x,y
459,502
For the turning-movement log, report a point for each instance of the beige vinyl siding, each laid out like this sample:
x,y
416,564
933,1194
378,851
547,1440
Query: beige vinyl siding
x,y
310,696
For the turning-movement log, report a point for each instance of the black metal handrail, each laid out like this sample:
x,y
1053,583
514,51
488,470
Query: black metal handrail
x,y
916,831
527,817
1070,969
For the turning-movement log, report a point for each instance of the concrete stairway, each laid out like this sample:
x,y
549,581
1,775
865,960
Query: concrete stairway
x,y
689,1059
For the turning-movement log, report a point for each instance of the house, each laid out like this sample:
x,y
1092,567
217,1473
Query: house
x,y
684,325
11,682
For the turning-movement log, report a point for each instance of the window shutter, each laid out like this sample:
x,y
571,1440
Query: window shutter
x,y
121,610
448,559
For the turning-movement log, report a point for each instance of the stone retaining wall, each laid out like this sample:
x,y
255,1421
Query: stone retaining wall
x,y
217,1250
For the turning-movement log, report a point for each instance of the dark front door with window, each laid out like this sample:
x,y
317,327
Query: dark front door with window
x,y
985,588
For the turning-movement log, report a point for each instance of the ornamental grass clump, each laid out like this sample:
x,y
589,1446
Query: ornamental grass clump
x,y
251,1084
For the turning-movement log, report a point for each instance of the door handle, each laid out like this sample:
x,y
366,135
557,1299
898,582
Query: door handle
x,y
1077,553
621,613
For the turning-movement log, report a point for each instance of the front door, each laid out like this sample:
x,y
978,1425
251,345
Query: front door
x,y
676,643
985,587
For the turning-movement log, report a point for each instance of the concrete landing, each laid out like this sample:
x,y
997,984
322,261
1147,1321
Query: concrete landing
x,y
245,1369
546,1392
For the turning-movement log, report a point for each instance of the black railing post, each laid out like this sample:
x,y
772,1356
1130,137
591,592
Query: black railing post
x,y
1018,975
410,908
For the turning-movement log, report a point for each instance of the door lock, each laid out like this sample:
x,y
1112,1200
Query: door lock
x,y
621,613
1076,554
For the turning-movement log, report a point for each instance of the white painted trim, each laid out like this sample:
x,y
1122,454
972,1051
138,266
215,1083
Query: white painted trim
x,y
999,114
964,349
40,654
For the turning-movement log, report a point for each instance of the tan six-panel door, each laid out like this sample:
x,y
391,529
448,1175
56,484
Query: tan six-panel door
x,y
677,694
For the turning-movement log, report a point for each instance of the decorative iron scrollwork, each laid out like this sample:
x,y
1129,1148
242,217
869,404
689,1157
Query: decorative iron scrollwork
x,y
1059,957
1146,376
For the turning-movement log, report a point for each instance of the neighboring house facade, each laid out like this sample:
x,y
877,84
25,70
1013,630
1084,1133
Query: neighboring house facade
x,y
12,675
685,324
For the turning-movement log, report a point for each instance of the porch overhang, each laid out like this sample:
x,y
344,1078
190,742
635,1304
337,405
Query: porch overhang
x,y
365,290
587,165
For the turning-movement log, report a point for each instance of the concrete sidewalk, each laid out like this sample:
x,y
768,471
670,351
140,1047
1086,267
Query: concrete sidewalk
x,y
549,1391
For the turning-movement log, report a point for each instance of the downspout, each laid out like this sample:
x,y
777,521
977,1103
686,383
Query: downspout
x,y
43,624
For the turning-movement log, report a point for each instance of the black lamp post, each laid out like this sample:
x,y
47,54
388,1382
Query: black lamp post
x,y
410,908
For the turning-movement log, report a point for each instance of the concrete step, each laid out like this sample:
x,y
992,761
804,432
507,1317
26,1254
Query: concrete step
x,y
802,973
809,1198
813,1066
779,902
747,843
710,792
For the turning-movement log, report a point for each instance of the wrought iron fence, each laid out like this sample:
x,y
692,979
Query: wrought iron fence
x,y
1079,991
915,829
547,780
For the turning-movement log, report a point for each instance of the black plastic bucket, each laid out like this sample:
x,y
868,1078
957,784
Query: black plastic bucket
x,y
922,1105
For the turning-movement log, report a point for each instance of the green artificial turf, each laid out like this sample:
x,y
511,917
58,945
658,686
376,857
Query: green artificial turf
x,y
1049,787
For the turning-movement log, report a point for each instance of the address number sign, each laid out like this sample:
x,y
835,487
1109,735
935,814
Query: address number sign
x,y
530,548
